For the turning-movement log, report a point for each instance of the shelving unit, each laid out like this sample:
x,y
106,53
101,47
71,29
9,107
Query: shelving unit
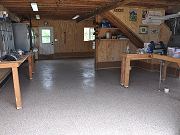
x,y
108,49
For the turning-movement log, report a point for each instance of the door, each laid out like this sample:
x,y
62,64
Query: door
x,y
46,40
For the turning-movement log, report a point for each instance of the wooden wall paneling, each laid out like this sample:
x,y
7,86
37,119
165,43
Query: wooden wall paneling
x,y
109,50
70,35
101,50
134,26
165,33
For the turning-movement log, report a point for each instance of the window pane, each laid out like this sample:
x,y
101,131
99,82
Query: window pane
x,y
89,34
92,36
46,32
46,40
86,34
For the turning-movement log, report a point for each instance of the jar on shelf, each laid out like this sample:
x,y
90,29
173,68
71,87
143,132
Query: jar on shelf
x,y
108,35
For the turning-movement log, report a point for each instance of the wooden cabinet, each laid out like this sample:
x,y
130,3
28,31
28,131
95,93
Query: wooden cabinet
x,y
108,50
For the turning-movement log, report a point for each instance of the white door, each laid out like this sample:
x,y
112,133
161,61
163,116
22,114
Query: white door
x,y
46,40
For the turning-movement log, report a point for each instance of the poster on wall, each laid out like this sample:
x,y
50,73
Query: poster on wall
x,y
144,14
118,10
133,15
154,31
153,14
143,29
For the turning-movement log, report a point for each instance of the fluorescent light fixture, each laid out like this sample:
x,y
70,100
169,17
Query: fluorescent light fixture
x,y
75,17
34,6
37,17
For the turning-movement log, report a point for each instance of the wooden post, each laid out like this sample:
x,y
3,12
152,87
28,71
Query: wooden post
x,y
164,70
30,66
122,70
127,73
179,69
17,87
33,61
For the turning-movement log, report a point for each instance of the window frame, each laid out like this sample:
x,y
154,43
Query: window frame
x,y
45,36
91,36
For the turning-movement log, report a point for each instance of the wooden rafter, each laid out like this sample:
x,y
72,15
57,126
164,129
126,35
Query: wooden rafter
x,y
66,9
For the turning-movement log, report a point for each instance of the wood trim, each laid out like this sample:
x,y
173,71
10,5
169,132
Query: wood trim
x,y
67,55
105,65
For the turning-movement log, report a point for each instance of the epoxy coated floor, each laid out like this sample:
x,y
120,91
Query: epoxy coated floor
x,y
67,97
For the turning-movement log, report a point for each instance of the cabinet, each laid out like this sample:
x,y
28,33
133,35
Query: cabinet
x,y
110,42
20,31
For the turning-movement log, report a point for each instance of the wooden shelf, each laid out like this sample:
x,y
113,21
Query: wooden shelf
x,y
113,39
109,28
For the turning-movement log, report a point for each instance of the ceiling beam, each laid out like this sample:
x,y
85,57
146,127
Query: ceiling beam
x,y
157,2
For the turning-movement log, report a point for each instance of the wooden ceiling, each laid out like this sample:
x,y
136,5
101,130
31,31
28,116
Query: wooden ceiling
x,y
66,9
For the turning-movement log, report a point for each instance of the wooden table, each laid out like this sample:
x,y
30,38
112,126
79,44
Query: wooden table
x,y
125,65
14,65
127,58
167,60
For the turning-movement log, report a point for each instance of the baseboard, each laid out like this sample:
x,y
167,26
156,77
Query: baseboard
x,y
114,64
103,65
67,55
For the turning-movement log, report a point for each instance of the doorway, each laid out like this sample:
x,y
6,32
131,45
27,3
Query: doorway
x,y
46,41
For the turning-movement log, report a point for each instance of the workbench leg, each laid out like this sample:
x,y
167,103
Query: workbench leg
x,y
127,73
164,70
122,71
16,87
179,69
30,66
33,62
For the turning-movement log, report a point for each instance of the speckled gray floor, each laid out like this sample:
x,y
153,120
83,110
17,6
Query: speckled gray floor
x,y
66,97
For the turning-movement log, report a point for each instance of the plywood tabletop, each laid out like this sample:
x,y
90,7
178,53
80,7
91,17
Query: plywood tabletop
x,y
9,64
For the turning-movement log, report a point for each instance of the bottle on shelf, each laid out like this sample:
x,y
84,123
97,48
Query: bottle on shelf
x,y
127,49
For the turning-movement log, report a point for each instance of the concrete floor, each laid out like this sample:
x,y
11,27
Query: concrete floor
x,y
66,97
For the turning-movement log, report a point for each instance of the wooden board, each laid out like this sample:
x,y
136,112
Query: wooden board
x,y
9,64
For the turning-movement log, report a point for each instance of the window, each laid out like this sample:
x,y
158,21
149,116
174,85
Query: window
x,y
89,34
46,36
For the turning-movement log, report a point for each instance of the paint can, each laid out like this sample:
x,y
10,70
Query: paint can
x,y
166,90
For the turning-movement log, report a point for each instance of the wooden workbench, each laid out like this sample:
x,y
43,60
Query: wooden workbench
x,y
14,65
127,58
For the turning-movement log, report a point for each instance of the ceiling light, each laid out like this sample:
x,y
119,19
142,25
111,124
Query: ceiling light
x,y
34,6
75,17
37,17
